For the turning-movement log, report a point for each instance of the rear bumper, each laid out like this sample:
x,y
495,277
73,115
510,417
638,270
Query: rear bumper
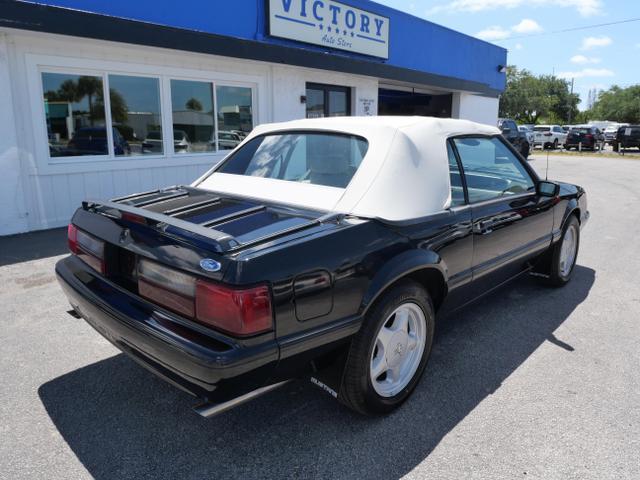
x,y
203,363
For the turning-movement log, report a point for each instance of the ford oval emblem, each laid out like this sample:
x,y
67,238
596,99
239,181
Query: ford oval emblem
x,y
209,265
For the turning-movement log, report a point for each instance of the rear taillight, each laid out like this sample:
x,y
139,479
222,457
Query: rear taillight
x,y
72,238
236,311
167,287
241,312
86,247
589,136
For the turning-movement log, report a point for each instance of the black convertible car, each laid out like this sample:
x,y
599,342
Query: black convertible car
x,y
323,247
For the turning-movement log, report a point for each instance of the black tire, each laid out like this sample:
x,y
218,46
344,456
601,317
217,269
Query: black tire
x,y
555,144
615,146
567,147
525,151
357,391
557,278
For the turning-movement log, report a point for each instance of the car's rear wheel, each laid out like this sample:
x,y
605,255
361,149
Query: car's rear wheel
x,y
555,144
565,253
389,354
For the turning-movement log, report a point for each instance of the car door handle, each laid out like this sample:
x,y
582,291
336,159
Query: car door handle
x,y
485,227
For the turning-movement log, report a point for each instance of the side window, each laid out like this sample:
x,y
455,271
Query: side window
x,y
491,170
457,190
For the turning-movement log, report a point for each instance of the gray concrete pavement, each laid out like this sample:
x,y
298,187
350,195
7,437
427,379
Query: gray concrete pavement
x,y
529,383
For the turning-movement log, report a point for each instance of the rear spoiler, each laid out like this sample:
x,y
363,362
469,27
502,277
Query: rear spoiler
x,y
221,242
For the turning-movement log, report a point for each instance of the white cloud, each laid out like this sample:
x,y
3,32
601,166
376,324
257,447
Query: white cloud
x,y
585,8
527,25
496,32
582,60
592,42
587,72
493,33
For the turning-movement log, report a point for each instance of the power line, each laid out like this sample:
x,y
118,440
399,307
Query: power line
x,y
573,29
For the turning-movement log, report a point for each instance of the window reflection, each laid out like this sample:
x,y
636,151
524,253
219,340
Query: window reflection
x,y
338,103
315,103
193,116
74,110
135,113
235,115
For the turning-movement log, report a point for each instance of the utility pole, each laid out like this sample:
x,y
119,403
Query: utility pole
x,y
570,101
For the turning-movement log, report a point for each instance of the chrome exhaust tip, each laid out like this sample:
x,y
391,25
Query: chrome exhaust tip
x,y
209,410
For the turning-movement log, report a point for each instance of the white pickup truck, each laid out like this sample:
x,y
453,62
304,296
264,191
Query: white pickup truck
x,y
548,136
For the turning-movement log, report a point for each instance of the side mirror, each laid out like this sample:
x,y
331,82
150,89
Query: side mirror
x,y
506,131
547,189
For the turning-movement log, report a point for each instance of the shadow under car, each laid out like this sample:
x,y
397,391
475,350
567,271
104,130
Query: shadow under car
x,y
122,422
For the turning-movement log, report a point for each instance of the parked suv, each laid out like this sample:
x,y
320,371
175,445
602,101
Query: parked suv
x,y
589,137
514,136
548,136
610,133
626,137
93,141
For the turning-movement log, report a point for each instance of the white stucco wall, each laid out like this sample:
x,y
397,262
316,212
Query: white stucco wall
x,y
475,107
289,83
13,212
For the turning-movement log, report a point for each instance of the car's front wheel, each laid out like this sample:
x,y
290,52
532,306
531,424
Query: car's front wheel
x,y
565,253
389,354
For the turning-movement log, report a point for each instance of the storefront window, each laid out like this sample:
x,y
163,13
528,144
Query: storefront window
x,y
205,117
75,115
328,101
135,114
315,103
193,116
235,115
338,103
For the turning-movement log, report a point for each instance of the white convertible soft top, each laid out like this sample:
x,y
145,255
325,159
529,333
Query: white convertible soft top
x,y
404,174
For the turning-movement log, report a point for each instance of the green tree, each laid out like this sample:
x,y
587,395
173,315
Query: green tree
x,y
193,104
618,104
90,87
529,98
119,107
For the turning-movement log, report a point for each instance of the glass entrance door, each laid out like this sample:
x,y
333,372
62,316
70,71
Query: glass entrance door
x,y
328,101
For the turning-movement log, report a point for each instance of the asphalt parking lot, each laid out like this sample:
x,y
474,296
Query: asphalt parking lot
x,y
529,383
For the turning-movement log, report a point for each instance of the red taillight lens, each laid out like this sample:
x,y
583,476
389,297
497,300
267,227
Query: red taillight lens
x,y
236,311
72,238
240,312
589,136
88,248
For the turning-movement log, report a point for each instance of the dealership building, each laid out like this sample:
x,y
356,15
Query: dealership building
x,y
99,99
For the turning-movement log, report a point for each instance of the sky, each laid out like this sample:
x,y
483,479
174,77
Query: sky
x,y
595,57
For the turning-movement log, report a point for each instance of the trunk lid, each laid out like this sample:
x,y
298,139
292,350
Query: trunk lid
x,y
182,226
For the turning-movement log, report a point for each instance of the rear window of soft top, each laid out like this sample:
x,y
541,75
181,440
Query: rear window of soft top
x,y
318,158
